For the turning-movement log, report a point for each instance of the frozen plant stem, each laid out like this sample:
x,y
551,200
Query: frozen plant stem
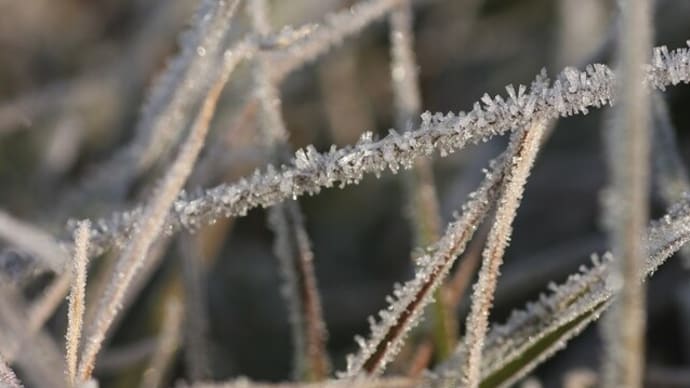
x,y
421,190
291,245
575,92
627,208
153,218
496,244
172,97
77,297
409,300
532,335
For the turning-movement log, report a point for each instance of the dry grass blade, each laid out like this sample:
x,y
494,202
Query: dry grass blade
x,y
627,208
497,241
77,299
153,219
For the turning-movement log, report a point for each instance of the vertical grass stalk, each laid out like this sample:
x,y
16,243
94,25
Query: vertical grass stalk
x,y
421,189
627,207
497,242
291,245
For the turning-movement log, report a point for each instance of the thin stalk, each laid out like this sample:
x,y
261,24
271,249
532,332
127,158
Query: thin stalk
x,y
77,297
497,242
153,219
291,245
627,208
421,189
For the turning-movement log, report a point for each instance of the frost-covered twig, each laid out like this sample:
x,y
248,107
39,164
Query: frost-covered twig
x,y
627,205
574,92
546,325
496,244
153,217
77,297
291,245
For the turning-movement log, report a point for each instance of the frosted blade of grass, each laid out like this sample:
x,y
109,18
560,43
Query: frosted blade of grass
x,y
7,377
291,241
168,343
38,243
172,97
532,335
627,208
152,220
334,29
496,244
77,297
422,197
575,92
292,247
185,79
410,299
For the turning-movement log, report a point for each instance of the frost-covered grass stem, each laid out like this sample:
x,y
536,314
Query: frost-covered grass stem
x,y
310,171
291,242
153,219
627,207
529,142
425,217
77,298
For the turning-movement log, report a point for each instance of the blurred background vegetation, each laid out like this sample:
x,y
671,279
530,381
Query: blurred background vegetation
x,y
75,74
